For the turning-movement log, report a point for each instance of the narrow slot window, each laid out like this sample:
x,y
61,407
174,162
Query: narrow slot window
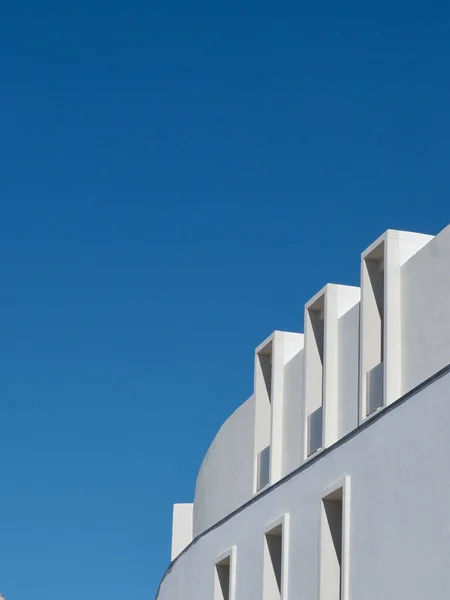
x,y
222,579
273,564
333,547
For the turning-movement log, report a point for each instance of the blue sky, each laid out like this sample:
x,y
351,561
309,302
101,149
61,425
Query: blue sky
x,y
176,181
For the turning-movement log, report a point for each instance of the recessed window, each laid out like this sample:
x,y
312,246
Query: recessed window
x,y
334,545
224,577
374,387
263,468
275,545
315,428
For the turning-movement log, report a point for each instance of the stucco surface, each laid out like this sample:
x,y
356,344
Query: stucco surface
x,y
425,288
399,531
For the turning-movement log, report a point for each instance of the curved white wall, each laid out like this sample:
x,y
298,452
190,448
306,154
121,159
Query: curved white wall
x,y
225,479
399,492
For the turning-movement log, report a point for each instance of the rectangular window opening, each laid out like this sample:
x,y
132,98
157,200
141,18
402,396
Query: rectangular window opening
x,y
222,582
331,547
263,468
273,564
315,428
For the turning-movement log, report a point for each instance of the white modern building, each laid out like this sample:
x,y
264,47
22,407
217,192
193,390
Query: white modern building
x,y
332,481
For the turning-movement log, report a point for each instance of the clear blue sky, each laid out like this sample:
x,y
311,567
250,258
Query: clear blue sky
x,y
176,180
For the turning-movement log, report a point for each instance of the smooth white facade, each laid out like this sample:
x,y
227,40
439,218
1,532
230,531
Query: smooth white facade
x,y
345,438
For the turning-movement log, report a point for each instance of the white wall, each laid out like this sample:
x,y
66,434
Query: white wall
x,y
348,353
348,371
399,498
293,413
425,290
225,479
321,369
381,317
277,350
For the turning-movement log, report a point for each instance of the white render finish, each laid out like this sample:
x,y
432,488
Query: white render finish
x,y
364,517
293,413
321,365
348,371
381,325
270,359
398,544
426,314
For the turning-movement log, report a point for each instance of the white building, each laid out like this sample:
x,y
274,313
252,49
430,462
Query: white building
x,y
332,481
